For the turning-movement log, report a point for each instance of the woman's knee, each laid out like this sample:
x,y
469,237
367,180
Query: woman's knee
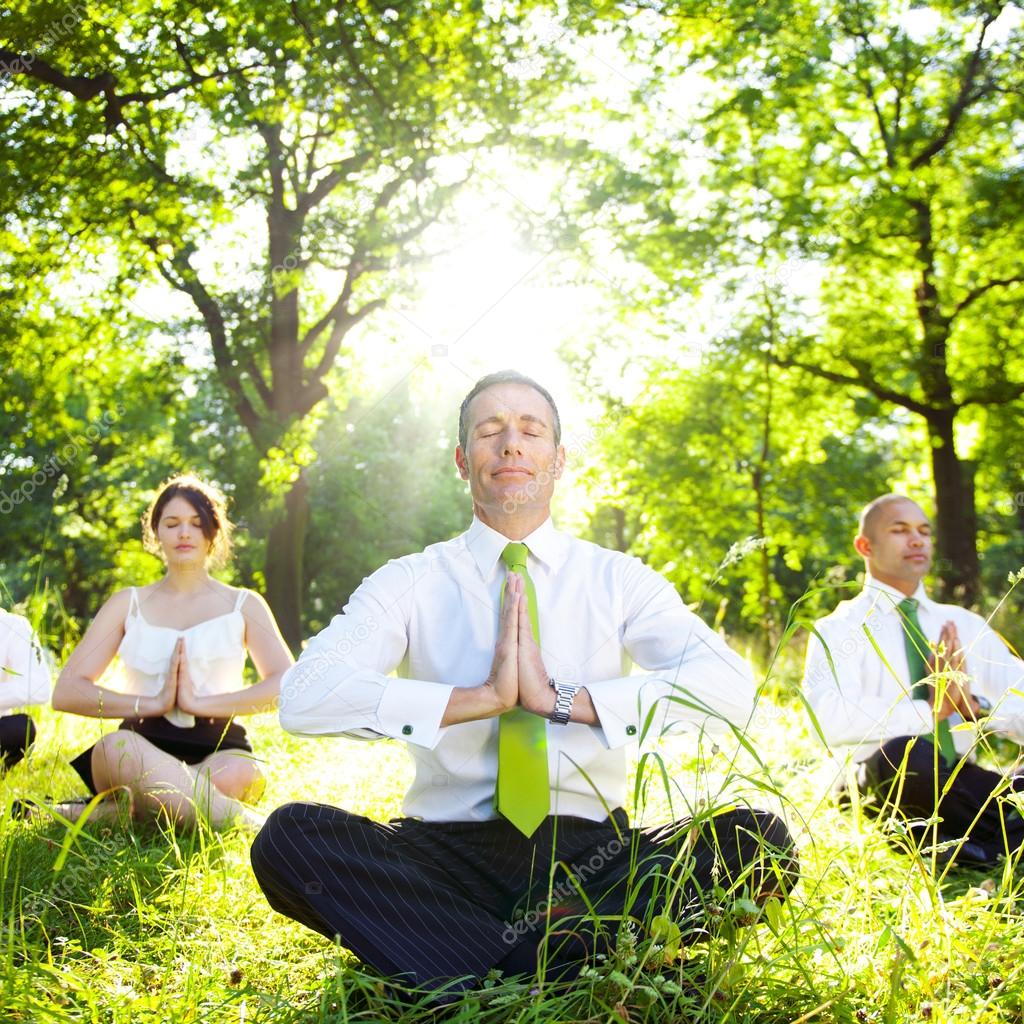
x,y
117,760
238,777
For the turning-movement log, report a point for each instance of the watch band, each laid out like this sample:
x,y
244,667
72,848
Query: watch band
x,y
565,694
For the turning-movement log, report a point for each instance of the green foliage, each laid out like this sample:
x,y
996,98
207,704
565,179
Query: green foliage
x,y
846,178
96,419
311,136
273,169
384,484
740,482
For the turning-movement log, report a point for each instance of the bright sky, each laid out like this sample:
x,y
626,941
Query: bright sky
x,y
491,302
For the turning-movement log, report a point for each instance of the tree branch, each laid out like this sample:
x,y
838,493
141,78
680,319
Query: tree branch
x,y
180,274
859,381
342,325
1001,393
860,32
82,87
330,181
355,269
88,87
976,293
271,134
353,272
965,97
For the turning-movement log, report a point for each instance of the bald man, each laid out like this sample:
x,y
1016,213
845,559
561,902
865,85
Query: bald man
x,y
911,689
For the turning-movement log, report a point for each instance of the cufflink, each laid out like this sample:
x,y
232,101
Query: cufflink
x,y
565,694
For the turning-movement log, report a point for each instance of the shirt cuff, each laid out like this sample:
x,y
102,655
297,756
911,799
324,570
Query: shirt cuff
x,y
412,709
621,710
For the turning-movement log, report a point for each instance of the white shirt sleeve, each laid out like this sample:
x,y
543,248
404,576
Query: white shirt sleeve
x,y
341,684
845,711
999,677
24,675
693,678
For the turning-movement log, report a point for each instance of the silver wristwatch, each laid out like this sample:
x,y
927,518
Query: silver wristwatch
x,y
565,693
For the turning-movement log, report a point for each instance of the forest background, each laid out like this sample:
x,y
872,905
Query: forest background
x,y
766,255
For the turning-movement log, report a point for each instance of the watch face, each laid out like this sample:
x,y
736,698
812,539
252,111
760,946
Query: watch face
x,y
984,704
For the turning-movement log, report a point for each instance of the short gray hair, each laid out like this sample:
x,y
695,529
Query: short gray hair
x,y
504,377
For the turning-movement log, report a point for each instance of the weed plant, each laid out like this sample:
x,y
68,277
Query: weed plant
x,y
128,923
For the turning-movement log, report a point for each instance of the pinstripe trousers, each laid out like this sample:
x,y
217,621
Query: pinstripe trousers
x,y
439,904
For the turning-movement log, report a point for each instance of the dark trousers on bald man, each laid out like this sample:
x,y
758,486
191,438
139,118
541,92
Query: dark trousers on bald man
x,y
905,775
438,905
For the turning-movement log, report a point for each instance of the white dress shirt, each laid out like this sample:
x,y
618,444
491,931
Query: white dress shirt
x,y
433,617
867,699
24,674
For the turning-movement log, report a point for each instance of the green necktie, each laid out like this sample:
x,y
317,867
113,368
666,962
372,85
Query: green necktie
x,y
916,645
523,793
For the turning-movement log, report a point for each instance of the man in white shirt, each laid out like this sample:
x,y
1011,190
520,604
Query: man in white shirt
x,y
905,686
519,748
24,680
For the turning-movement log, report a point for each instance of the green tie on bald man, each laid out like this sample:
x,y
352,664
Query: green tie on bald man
x,y
921,662
522,666
906,685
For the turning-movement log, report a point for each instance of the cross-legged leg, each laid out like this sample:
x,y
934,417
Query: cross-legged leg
x,y
905,775
234,774
158,783
672,871
362,882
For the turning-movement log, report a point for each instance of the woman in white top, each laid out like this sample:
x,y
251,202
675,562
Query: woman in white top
x,y
182,643
24,680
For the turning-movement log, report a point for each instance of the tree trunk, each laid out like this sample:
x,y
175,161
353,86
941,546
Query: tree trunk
x,y
763,468
283,563
956,526
767,619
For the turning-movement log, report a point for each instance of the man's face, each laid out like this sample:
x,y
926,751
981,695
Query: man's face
x,y
511,460
898,545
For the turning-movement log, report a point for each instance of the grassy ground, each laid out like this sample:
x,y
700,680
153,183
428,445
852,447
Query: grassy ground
x,y
132,924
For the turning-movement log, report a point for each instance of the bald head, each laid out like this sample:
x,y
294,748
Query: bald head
x,y
874,511
895,540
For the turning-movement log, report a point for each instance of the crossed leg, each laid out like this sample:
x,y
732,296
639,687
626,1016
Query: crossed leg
x,y
158,783
387,897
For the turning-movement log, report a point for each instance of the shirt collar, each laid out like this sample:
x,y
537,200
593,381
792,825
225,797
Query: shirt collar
x,y
485,544
887,599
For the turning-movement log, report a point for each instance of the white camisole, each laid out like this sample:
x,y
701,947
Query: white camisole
x,y
215,650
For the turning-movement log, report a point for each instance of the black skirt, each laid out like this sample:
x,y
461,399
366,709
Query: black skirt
x,y
190,745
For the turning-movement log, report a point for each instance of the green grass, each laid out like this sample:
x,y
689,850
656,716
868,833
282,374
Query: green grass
x,y
135,924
